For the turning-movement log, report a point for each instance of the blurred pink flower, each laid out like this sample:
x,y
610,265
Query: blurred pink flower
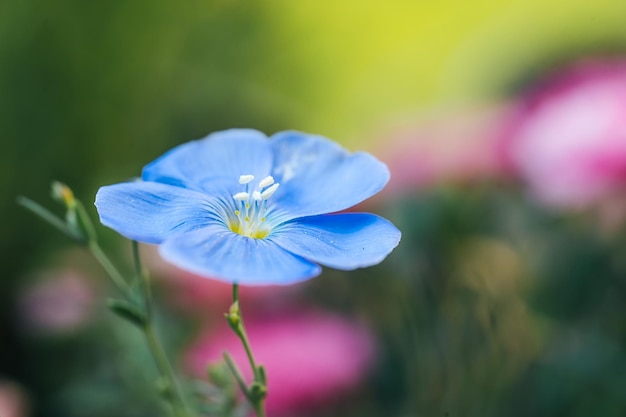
x,y
13,402
311,358
457,147
58,301
567,138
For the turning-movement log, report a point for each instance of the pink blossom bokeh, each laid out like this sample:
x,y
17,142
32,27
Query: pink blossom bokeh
x,y
567,137
459,146
13,400
311,357
58,301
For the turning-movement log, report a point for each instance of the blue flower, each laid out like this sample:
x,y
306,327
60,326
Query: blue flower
x,y
242,208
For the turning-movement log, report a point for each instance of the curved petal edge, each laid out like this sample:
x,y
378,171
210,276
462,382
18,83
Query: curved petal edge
x,y
342,241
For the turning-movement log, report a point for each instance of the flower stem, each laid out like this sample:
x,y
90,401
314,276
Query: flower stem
x,y
230,363
257,391
173,393
136,306
143,279
242,333
110,269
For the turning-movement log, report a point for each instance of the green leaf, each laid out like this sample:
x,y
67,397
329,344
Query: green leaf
x,y
262,374
128,311
84,222
48,217
219,375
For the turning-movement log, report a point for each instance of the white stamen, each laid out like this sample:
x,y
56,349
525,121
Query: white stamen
x,y
244,179
252,207
269,180
269,192
241,196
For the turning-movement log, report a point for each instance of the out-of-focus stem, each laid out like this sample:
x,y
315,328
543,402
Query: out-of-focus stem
x,y
257,392
174,394
110,269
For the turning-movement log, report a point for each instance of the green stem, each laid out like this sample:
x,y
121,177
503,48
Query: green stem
x,y
142,279
49,217
232,366
242,334
80,227
108,266
174,393
259,408
256,399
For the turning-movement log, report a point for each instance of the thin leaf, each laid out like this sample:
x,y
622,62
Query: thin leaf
x,y
127,311
47,216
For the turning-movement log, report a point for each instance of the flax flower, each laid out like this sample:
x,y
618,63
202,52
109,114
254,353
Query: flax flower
x,y
243,208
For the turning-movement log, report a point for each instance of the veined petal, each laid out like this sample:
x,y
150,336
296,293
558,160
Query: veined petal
x,y
317,176
218,253
220,156
150,212
343,241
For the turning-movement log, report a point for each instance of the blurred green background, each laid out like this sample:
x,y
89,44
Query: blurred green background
x,y
92,91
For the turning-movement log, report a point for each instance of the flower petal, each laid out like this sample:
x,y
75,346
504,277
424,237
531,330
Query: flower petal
x,y
343,241
220,156
317,176
216,252
151,212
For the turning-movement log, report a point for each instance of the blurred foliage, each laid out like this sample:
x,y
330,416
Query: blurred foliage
x,y
493,307
489,307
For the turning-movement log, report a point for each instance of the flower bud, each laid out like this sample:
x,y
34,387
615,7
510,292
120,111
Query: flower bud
x,y
64,194
234,314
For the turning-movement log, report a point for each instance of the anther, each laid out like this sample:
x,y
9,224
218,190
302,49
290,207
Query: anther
x,y
241,196
256,195
244,179
269,180
269,192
